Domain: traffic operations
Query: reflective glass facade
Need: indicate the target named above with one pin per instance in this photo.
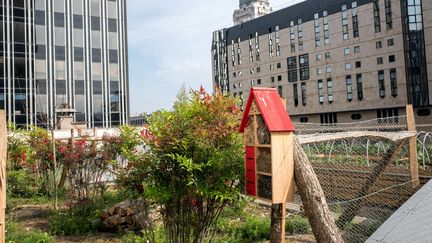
(64, 51)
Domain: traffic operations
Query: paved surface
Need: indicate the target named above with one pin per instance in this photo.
(411, 223)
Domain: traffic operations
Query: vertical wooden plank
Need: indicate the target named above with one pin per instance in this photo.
(414, 173)
(282, 166)
(3, 154)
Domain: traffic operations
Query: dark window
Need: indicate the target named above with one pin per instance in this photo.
(79, 87)
(320, 91)
(304, 119)
(348, 80)
(113, 57)
(393, 82)
(381, 84)
(59, 19)
(280, 91)
(60, 53)
(61, 87)
(392, 58)
(114, 87)
(390, 42)
(292, 75)
(280, 78)
(356, 116)
(377, 20)
(95, 23)
(97, 87)
(112, 25)
(328, 118)
(40, 52)
(278, 65)
(359, 81)
(39, 17)
(303, 92)
(304, 73)
(96, 55)
(378, 44)
(295, 94)
(41, 86)
(19, 32)
(358, 64)
(292, 63)
(77, 21)
(423, 112)
(78, 54)
(18, 3)
(258, 81)
(380, 60)
(330, 90)
(388, 14)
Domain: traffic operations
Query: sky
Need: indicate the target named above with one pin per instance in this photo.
(169, 45)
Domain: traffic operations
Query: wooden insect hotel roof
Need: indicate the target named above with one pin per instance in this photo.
(273, 111)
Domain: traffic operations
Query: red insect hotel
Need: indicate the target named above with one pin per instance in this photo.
(268, 138)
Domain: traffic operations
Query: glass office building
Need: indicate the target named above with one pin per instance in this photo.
(56, 52)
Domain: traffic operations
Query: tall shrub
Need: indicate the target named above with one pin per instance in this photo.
(195, 158)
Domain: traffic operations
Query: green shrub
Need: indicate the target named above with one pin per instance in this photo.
(15, 233)
(297, 225)
(256, 228)
(22, 184)
(66, 223)
(133, 237)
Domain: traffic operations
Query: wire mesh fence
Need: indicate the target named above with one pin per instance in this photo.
(364, 170)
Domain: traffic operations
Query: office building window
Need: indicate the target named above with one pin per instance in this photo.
(279, 78)
(355, 20)
(300, 34)
(320, 91)
(258, 81)
(318, 56)
(359, 81)
(346, 51)
(328, 69)
(292, 69)
(77, 21)
(60, 53)
(390, 42)
(257, 47)
(328, 118)
(393, 82)
(278, 46)
(379, 60)
(112, 25)
(303, 92)
(304, 73)
(347, 66)
(327, 55)
(376, 13)
(356, 49)
(378, 45)
(319, 71)
(96, 55)
(344, 22)
(326, 28)
(392, 58)
(349, 87)
(330, 90)
(295, 94)
(95, 23)
(304, 60)
(39, 17)
(60, 87)
(381, 84)
(278, 65)
(317, 30)
(78, 54)
(280, 91)
(59, 19)
(388, 14)
(358, 64)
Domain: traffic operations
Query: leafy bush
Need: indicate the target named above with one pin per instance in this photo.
(133, 237)
(22, 184)
(297, 225)
(15, 233)
(256, 228)
(67, 223)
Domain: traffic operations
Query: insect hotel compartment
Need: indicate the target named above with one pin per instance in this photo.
(263, 133)
(265, 186)
(263, 160)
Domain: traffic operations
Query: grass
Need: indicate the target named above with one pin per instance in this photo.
(15, 233)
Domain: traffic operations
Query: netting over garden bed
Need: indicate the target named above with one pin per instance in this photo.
(364, 170)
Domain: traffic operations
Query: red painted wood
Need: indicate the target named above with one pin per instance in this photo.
(269, 103)
(250, 171)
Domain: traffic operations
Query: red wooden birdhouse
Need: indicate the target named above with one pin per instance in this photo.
(268, 138)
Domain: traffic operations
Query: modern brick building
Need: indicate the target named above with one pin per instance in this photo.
(334, 60)
(61, 52)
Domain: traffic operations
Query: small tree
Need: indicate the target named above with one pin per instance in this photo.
(195, 156)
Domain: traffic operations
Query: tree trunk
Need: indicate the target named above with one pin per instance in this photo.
(278, 223)
(314, 202)
(351, 211)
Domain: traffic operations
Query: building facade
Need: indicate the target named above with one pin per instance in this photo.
(335, 60)
(251, 9)
(56, 52)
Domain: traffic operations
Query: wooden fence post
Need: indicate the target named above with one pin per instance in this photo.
(3, 154)
(414, 173)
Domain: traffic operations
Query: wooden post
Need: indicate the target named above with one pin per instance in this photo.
(314, 201)
(278, 223)
(3, 154)
(414, 173)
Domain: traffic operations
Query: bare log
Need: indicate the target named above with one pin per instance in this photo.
(314, 202)
(351, 211)
(278, 223)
